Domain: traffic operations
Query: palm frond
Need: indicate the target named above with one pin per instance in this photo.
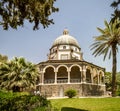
(100, 30)
(105, 52)
(110, 54)
(106, 24)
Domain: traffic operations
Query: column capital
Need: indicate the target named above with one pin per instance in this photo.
(55, 71)
(68, 70)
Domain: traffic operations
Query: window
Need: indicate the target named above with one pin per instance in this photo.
(64, 56)
(64, 47)
(75, 49)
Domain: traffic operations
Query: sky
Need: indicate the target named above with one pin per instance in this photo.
(80, 17)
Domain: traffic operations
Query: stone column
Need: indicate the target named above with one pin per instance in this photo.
(98, 79)
(83, 75)
(91, 78)
(68, 76)
(55, 77)
(42, 77)
(103, 79)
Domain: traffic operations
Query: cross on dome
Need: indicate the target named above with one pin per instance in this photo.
(65, 32)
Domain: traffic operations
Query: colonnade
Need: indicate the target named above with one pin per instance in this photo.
(73, 74)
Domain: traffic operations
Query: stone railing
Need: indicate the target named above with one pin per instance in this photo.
(52, 81)
(62, 81)
(75, 81)
(49, 81)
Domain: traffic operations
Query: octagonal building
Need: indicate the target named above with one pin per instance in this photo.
(66, 69)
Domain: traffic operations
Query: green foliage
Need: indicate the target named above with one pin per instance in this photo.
(14, 12)
(118, 84)
(22, 102)
(70, 93)
(115, 4)
(18, 75)
(3, 58)
(108, 81)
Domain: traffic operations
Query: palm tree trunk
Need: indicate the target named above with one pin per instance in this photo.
(114, 67)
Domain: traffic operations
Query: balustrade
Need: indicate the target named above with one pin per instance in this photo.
(51, 81)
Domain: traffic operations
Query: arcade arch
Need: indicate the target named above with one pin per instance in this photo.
(62, 75)
(49, 75)
(75, 74)
(88, 74)
(101, 77)
(95, 76)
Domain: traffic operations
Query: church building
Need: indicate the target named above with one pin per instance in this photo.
(66, 69)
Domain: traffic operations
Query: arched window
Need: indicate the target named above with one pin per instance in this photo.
(76, 49)
(64, 47)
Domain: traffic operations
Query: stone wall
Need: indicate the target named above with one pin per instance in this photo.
(82, 89)
(93, 90)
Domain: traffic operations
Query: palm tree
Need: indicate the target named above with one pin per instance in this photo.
(18, 74)
(107, 44)
(115, 4)
(3, 58)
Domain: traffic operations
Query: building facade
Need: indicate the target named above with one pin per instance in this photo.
(66, 69)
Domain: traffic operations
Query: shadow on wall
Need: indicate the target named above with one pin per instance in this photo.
(71, 109)
(92, 90)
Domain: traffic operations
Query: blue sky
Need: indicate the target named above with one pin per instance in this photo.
(80, 17)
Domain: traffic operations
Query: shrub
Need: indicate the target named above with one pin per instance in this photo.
(22, 102)
(70, 93)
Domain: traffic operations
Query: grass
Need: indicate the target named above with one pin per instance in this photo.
(87, 104)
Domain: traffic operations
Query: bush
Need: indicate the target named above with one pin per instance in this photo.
(117, 93)
(70, 93)
(22, 102)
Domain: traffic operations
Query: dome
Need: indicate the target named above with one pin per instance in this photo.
(65, 39)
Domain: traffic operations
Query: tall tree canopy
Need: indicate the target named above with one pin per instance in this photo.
(107, 44)
(115, 4)
(13, 13)
(18, 74)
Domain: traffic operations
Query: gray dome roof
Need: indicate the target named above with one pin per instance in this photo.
(65, 39)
